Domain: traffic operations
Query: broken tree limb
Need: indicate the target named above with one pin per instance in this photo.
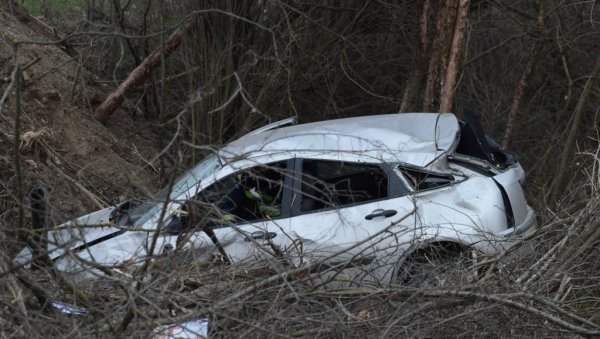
(142, 71)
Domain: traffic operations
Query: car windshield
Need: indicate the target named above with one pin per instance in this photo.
(141, 214)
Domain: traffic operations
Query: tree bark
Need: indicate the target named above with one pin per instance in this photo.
(519, 92)
(439, 47)
(413, 85)
(454, 61)
(142, 71)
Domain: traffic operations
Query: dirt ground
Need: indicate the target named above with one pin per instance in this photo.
(82, 162)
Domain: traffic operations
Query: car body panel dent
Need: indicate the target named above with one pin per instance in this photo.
(511, 182)
(395, 135)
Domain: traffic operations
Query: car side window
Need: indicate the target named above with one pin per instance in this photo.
(423, 180)
(248, 195)
(329, 184)
(254, 194)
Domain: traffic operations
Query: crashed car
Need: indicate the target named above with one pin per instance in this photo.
(363, 192)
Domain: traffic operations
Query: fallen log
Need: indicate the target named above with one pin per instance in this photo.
(139, 75)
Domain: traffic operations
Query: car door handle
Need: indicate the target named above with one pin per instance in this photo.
(259, 235)
(381, 213)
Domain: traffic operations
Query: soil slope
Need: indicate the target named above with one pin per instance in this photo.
(82, 162)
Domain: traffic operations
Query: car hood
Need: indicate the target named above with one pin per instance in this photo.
(92, 237)
(85, 229)
(412, 138)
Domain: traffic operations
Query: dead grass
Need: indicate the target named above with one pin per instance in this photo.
(549, 292)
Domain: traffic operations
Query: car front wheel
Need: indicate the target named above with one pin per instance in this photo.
(438, 265)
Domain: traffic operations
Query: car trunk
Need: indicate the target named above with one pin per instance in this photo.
(501, 164)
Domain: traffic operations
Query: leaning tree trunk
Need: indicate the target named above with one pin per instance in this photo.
(520, 90)
(142, 71)
(454, 61)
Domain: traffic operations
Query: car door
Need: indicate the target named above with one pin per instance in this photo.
(242, 214)
(353, 215)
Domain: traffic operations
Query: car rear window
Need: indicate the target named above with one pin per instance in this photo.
(423, 180)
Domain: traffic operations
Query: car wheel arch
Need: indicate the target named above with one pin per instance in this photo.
(450, 247)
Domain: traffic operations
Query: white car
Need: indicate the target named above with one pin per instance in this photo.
(364, 192)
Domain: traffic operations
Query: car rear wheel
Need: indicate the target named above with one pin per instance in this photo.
(438, 265)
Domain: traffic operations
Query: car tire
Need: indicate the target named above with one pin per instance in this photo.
(438, 265)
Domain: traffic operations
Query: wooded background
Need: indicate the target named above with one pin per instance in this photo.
(522, 66)
(169, 79)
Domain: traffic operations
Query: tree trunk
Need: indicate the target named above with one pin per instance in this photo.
(454, 61)
(142, 71)
(439, 47)
(47, 9)
(413, 86)
(520, 91)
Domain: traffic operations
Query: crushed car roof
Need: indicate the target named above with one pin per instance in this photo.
(412, 138)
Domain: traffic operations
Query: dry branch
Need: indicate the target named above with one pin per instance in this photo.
(142, 71)
(522, 84)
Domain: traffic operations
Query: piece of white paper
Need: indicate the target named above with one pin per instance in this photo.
(195, 329)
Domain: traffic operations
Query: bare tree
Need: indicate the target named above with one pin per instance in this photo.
(444, 52)
(522, 84)
(454, 60)
(440, 46)
(414, 83)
